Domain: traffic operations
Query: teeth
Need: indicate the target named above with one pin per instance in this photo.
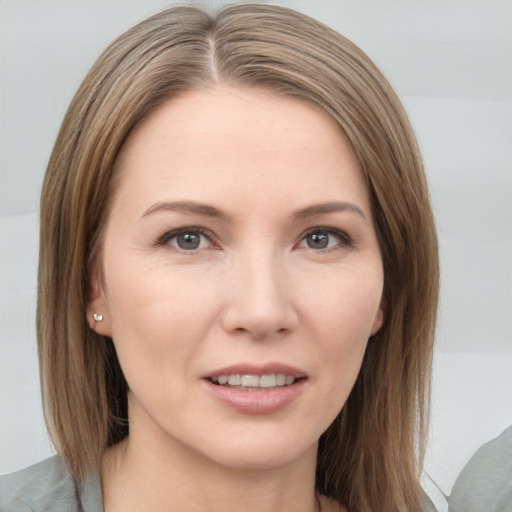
(267, 381)
(252, 381)
(235, 380)
(280, 379)
(249, 382)
(289, 380)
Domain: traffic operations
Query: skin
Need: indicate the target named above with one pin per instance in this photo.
(256, 290)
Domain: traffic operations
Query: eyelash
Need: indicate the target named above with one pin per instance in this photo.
(344, 239)
(163, 240)
(170, 235)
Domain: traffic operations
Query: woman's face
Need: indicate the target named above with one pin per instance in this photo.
(240, 247)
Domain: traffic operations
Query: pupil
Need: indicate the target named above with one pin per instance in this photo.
(318, 240)
(188, 241)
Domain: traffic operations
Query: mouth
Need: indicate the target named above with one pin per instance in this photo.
(249, 389)
(254, 382)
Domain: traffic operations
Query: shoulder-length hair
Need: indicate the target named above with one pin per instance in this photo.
(369, 458)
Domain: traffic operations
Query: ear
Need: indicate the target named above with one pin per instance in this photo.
(378, 321)
(98, 316)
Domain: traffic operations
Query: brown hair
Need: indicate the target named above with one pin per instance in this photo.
(369, 458)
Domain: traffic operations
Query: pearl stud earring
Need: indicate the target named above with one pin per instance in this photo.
(97, 318)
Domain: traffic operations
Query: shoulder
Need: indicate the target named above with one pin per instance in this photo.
(44, 487)
(485, 483)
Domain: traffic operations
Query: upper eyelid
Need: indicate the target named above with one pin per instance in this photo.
(345, 240)
(330, 230)
(172, 233)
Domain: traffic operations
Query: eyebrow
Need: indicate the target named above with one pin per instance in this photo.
(187, 207)
(331, 207)
(210, 211)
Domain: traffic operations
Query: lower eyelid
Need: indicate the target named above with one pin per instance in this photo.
(170, 235)
(163, 240)
(344, 238)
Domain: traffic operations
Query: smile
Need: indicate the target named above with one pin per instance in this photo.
(254, 382)
(256, 389)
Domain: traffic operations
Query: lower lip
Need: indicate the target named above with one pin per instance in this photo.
(266, 401)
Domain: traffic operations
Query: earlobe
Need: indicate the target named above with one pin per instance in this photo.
(98, 316)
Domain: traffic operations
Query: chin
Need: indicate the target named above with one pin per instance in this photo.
(263, 453)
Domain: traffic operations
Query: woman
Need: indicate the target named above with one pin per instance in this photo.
(238, 277)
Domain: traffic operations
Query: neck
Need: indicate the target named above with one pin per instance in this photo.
(142, 476)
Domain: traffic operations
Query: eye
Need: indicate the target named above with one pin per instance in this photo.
(187, 239)
(321, 239)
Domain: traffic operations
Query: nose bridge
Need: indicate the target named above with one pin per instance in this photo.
(259, 298)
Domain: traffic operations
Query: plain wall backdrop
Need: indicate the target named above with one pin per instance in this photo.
(451, 63)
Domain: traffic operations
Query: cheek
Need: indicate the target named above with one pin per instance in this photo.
(343, 318)
(148, 293)
(157, 318)
(347, 304)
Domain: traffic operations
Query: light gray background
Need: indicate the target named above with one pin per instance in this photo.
(450, 61)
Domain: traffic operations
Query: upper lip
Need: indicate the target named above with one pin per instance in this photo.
(252, 369)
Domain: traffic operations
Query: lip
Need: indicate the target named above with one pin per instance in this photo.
(262, 401)
(251, 369)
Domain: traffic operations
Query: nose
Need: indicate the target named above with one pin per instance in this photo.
(259, 299)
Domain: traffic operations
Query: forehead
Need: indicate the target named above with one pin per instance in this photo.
(203, 142)
(251, 117)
